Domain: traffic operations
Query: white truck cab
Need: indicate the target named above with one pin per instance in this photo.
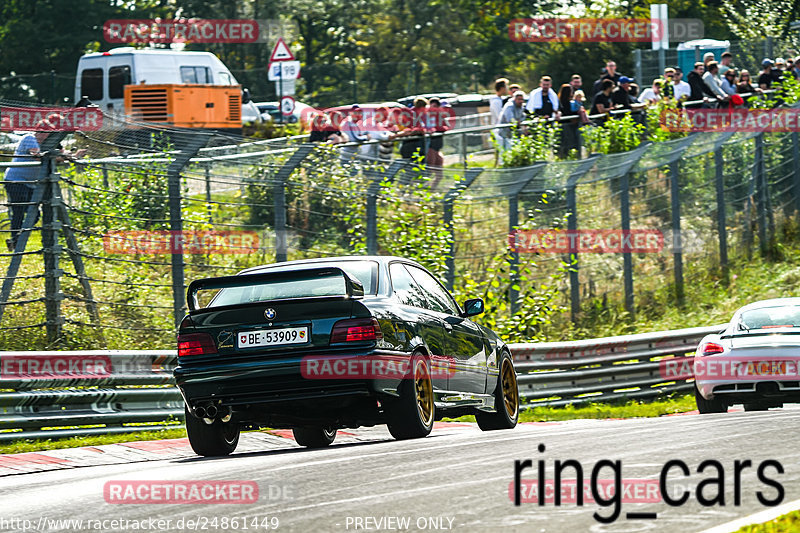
(102, 76)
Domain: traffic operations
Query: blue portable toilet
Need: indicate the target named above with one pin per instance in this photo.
(692, 51)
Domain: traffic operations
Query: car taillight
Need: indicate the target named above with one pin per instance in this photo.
(710, 348)
(196, 344)
(356, 330)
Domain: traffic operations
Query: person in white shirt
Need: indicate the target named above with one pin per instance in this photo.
(652, 94)
(512, 114)
(681, 89)
(496, 102)
(543, 101)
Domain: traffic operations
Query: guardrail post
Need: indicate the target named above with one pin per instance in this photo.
(51, 250)
(722, 231)
(627, 260)
(279, 199)
(572, 229)
(677, 241)
(761, 206)
(448, 206)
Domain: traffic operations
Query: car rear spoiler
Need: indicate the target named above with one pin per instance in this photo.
(353, 287)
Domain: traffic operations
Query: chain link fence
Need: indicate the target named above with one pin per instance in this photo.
(112, 241)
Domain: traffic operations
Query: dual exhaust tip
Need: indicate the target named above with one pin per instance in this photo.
(212, 411)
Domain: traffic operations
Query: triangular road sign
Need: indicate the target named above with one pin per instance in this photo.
(281, 52)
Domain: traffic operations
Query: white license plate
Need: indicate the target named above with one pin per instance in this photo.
(272, 337)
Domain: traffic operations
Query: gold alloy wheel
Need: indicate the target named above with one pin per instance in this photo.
(510, 391)
(424, 390)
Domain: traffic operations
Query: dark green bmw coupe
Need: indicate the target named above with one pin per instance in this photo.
(323, 344)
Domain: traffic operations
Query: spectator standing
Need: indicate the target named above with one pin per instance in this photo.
(778, 70)
(514, 87)
(621, 96)
(710, 80)
(415, 146)
(610, 73)
(667, 88)
(20, 182)
(577, 106)
(681, 89)
(497, 101)
(437, 122)
(576, 82)
(353, 132)
(697, 88)
(708, 57)
(513, 113)
(543, 101)
(729, 82)
(765, 79)
(602, 100)
(745, 83)
(565, 98)
(653, 94)
(795, 68)
(725, 61)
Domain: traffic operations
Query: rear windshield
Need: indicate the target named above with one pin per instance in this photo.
(786, 316)
(302, 286)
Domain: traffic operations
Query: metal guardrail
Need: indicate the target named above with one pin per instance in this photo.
(76, 393)
(557, 374)
(58, 394)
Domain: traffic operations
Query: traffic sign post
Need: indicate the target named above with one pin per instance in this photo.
(281, 54)
(287, 106)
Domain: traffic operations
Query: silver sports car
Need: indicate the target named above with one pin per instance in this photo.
(755, 361)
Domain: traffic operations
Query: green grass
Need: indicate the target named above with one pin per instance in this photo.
(631, 409)
(27, 445)
(787, 523)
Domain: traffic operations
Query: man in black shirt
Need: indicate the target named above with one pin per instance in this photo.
(765, 79)
(609, 73)
(602, 100)
(621, 96)
(698, 88)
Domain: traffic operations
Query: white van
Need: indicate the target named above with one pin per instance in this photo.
(102, 76)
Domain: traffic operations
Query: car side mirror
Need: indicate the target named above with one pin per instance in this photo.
(473, 307)
(245, 96)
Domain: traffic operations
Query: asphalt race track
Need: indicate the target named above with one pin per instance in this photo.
(457, 479)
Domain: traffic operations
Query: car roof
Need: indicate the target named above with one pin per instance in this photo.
(774, 302)
(385, 259)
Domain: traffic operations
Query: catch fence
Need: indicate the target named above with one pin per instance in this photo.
(122, 232)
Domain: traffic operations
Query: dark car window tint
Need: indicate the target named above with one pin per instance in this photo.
(118, 78)
(302, 286)
(405, 288)
(439, 299)
(92, 83)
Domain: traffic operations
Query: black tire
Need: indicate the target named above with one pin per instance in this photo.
(716, 405)
(314, 437)
(755, 407)
(506, 399)
(211, 440)
(411, 415)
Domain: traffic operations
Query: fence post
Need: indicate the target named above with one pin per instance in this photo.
(637, 64)
(51, 251)
(372, 202)
(722, 231)
(208, 192)
(279, 198)
(448, 206)
(677, 241)
(761, 207)
(627, 260)
(188, 146)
